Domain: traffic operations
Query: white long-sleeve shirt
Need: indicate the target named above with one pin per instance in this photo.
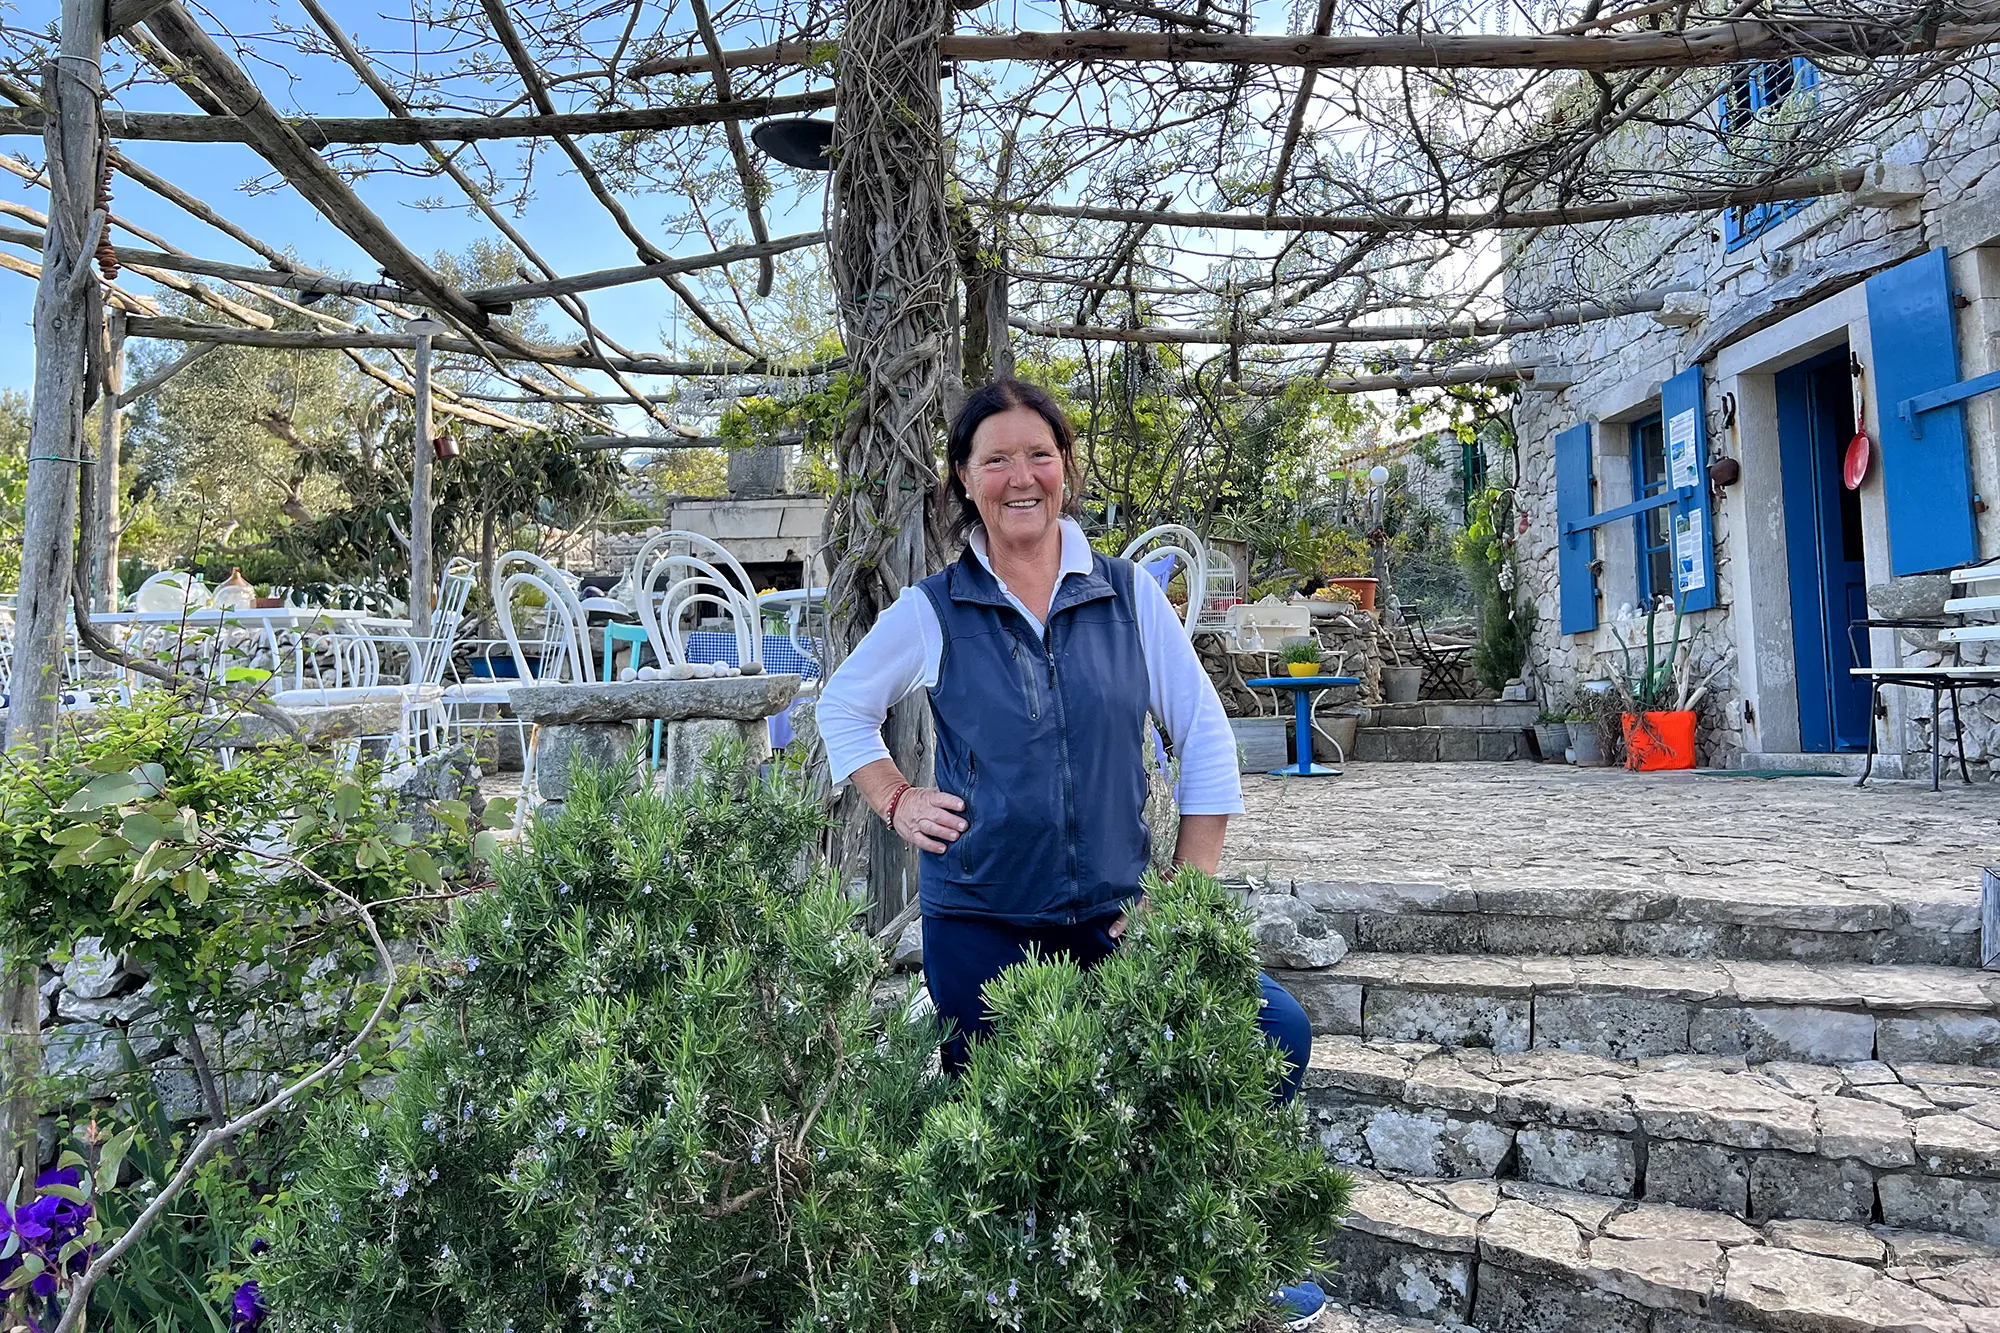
(901, 655)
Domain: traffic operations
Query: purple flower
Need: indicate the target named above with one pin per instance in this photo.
(42, 1226)
(247, 1308)
(259, 1245)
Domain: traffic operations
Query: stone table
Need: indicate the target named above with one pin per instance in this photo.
(600, 722)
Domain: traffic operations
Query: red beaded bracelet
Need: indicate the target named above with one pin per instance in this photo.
(895, 799)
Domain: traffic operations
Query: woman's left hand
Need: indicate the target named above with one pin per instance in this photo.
(1126, 918)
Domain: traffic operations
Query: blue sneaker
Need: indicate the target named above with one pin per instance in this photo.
(1299, 1305)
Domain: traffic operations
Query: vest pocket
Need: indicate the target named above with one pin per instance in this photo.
(954, 853)
(1031, 689)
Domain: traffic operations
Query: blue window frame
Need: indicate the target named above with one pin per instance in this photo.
(1754, 91)
(1654, 528)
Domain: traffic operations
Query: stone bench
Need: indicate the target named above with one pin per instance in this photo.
(601, 722)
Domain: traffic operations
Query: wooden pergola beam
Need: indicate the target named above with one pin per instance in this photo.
(175, 330)
(279, 144)
(1500, 327)
(1501, 373)
(1530, 219)
(1692, 48)
(332, 131)
(631, 273)
(486, 297)
(127, 14)
(133, 258)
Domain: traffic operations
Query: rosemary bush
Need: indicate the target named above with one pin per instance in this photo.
(656, 1091)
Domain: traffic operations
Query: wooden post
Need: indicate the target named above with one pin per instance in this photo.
(420, 482)
(891, 251)
(65, 323)
(102, 523)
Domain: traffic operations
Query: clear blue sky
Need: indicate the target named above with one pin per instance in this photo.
(563, 223)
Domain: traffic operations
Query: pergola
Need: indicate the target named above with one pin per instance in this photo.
(986, 184)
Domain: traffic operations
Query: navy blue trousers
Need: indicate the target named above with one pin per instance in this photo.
(962, 954)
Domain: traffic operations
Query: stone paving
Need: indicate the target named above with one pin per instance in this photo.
(1782, 840)
(1514, 1255)
(1626, 1053)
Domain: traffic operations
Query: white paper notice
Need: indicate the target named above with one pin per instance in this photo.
(1681, 453)
(1691, 571)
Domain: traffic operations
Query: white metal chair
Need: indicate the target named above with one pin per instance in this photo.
(691, 582)
(716, 573)
(480, 704)
(1172, 545)
(562, 653)
(354, 658)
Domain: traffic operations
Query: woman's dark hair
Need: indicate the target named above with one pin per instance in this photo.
(955, 508)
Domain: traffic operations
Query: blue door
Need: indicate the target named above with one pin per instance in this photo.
(1823, 542)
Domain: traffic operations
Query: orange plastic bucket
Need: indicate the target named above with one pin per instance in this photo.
(1655, 741)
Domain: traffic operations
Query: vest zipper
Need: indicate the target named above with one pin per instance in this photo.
(1069, 786)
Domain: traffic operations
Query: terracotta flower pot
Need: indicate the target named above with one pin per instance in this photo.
(1362, 588)
(1657, 741)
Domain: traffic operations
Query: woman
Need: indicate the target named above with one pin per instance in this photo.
(1042, 659)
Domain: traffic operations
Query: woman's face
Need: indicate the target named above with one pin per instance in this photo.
(1015, 477)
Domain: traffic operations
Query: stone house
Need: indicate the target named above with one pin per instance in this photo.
(1698, 451)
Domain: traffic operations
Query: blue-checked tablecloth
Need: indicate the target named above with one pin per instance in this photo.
(779, 656)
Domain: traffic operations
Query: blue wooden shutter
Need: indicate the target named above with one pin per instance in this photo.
(1575, 550)
(1927, 479)
(1684, 421)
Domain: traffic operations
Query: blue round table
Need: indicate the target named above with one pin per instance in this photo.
(1302, 688)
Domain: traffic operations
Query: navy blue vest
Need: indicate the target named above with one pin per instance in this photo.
(1041, 738)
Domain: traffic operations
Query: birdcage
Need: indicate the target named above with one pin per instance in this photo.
(1221, 591)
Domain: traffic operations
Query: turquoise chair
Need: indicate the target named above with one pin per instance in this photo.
(615, 633)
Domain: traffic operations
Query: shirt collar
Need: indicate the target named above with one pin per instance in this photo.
(1076, 553)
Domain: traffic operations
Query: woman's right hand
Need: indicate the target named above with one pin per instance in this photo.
(928, 819)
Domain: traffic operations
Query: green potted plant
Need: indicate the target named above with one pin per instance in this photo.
(1301, 657)
(1552, 734)
(1662, 695)
(1595, 713)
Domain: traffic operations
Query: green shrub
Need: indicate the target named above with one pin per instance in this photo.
(657, 1091)
(215, 881)
(654, 1095)
(1112, 1159)
(1505, 624)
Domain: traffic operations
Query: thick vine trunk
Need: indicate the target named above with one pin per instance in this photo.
(65, 323)
(892, 264)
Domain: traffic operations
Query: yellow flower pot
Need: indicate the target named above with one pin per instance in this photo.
(1302, 668)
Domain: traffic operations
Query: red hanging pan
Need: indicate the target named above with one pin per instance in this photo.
(1854, 466)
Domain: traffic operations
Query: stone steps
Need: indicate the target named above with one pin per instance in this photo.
(1348, 1318)
(1916, 1146)
(1452, 713)
(1516, 1257)
(1629, 1008)
(1439, 745)
(1720, 918)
